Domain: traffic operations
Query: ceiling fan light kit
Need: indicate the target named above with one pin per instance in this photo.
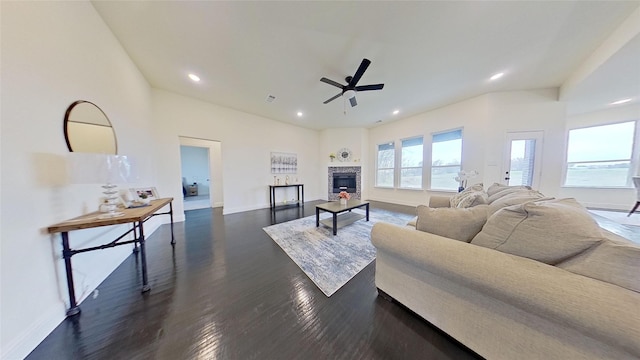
(349, 91)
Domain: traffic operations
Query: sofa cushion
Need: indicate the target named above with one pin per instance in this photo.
(454, 223)
(505, 192)
(471, 196)
(496, 188)
(516, 198)
(615, 260)
(547, 231)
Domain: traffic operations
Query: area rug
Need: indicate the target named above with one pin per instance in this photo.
(330, 261)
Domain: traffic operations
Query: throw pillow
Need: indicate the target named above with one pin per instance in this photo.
(455, 200)
(472, 199)
(547, 231)
(496, 187)
(517, 198)
(507, 191)
(458, 224)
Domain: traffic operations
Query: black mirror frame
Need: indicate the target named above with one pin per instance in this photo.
(66, 121)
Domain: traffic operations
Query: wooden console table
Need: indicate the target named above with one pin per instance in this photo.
(272, 193)
(137, 216)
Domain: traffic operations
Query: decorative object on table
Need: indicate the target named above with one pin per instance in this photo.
(463, 177)
(144, 198)
(284, 163)
(344, 197)
(86, 168)
(150, 192)
(332, 156)
(286, 180)
(330, 261)
(344, 154)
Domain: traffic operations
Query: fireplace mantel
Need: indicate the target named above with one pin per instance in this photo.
(344, 164)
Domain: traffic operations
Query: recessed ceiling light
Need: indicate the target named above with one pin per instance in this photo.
(496, 76)
(299, 114)
(620, 101)
(194, 77)
(396, 112)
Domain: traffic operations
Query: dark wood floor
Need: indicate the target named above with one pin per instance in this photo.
(227, 291)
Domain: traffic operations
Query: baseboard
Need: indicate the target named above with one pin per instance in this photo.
(605, 206)
(24, 343)
(227, 210)
(392, 201)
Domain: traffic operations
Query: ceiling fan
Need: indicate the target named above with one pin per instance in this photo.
(349, 90)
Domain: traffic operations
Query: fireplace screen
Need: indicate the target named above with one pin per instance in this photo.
(344, 182)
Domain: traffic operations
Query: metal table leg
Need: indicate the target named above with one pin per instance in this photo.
(67, 253)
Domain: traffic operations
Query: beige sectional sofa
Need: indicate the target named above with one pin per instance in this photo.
(536, 279)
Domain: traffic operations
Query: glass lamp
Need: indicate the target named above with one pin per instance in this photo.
(86, 168)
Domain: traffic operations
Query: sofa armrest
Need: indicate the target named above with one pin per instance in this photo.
(439, 201)
(592, 307)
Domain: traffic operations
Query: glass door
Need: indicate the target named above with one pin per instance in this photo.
(522, 160)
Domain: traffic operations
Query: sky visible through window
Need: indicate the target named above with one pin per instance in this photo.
(601, 143)
(600, 156)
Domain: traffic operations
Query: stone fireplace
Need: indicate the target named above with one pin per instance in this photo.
(344, 178)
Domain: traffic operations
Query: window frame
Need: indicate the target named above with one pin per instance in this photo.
(378, 168)
(431, 166)
(401, 168)
(633, 160)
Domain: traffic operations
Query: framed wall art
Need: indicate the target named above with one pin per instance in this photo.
(150, 191)
(284, 163)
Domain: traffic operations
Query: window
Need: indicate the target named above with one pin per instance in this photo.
(411, 170)
(600, 156)
(386, 163)
(446, 157)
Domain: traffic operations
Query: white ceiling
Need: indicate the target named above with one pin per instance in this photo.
(428, 54)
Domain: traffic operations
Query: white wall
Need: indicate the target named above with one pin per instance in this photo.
(247, 141)
(622, 199)
(485, 121)
(54, 53)
(533, 110)
(471, 115)
(354, 139)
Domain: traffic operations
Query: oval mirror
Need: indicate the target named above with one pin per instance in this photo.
(87, 129)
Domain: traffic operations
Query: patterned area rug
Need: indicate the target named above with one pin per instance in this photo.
(331, 261)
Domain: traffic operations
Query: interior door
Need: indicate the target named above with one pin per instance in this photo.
(522, 161)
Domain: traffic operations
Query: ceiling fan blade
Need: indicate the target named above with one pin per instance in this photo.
(331, 82)
(333, 98)
(353, 101)
(361, 69)
(369, 87)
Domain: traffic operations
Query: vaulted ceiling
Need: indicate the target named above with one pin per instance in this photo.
(428, 54)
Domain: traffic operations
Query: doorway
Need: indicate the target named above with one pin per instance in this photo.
(201, 173)
(523, 157)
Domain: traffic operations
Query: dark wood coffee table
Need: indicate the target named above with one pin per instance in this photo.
(341, 220)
